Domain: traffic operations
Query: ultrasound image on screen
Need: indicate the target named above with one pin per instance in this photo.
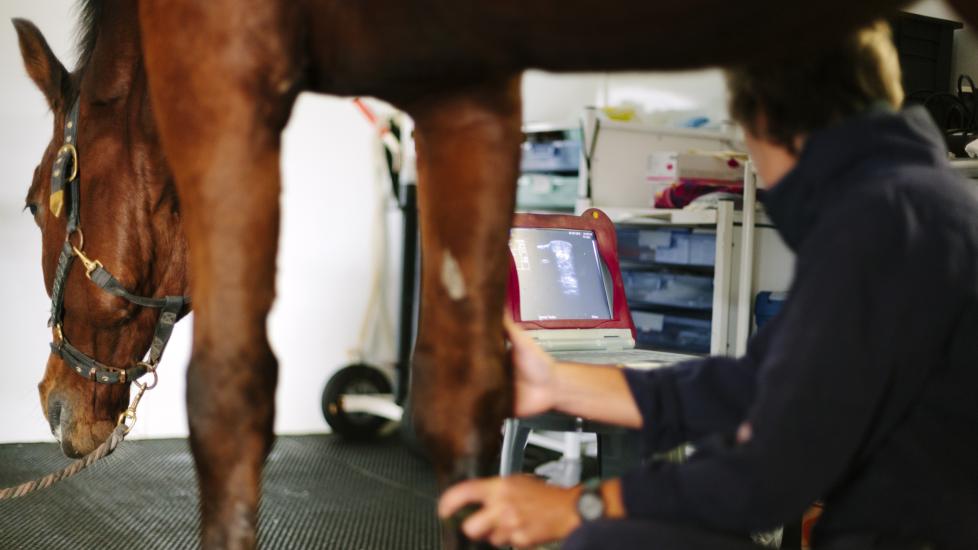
(560, 276)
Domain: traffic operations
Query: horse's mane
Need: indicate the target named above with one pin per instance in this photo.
(89, 15)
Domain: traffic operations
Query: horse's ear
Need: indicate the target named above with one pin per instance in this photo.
(42, 65)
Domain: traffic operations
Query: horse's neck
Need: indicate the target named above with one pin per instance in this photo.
(115, 71)
(165, 219)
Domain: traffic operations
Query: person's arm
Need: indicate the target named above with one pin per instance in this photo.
(702, 397)
(671, 405)
(542, 384)
(595, 392)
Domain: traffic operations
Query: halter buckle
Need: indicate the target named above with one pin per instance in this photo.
(71, 150)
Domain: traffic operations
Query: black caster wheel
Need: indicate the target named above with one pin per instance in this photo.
(356, 379)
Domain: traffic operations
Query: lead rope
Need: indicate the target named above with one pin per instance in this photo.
(127, 420)
(116, 437)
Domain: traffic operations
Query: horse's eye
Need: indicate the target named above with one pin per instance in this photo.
(33, 208)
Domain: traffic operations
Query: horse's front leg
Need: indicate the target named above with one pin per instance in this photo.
(220, 89)
(468, 154)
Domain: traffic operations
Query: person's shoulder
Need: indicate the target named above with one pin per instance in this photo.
(887, 211)
(906, 214)
(936, 198)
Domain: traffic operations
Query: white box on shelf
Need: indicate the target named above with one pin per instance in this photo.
(625, 161)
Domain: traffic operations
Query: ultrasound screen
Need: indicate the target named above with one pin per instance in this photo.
(560, 274)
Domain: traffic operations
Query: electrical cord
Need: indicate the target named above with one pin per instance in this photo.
(956, 114)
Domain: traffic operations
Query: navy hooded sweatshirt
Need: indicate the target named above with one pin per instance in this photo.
(863, 391)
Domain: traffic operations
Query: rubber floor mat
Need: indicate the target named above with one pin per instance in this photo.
(319, 492)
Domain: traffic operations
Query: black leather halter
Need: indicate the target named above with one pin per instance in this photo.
(65, 181)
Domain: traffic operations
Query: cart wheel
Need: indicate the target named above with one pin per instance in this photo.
(354, 379)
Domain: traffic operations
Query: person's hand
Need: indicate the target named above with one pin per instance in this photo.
(519, 510)
(533, 373)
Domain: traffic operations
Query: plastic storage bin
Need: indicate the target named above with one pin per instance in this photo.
(685, 291)
(667, 246)
(546, 192)
(551, 156)
(671, 332)
(767, 305)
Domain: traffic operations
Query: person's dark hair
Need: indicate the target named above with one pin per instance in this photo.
(780, 101)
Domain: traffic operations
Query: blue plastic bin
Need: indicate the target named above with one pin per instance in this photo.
(667, 246)
(766, 305)
(671, 332)
(685, 291)
(551, 156)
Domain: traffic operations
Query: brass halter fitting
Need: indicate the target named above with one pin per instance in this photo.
(57, 199)
(71, 150)
(90, 264)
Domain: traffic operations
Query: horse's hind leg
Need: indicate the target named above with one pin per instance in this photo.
(468, 154)
(220, 94)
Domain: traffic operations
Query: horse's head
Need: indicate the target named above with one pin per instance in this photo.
(103, 172)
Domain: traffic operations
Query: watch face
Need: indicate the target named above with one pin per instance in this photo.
(590, 506)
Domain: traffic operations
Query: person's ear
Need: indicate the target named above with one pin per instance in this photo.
(42, 65)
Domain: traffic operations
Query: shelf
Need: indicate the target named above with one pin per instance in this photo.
(661, 216)
(607, 124)
(685, 311)
(658, 216)
(672, 269)
(544, 127)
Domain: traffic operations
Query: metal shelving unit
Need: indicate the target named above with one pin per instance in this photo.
(612, 179)
(721, 221)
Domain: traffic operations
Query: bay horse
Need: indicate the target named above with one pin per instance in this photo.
(204, 89)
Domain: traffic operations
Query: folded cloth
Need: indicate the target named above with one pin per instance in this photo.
(678, 195)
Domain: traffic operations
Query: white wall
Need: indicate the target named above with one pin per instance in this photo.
(330, 223)
(559, 98)
(24, 132)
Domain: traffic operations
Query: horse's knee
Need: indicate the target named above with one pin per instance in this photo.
(230, 394)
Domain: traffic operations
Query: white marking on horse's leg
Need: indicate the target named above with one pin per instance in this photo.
(451, 277)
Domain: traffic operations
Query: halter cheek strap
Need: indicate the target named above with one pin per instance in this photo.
(64, 179)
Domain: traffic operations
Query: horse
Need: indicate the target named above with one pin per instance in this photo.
(126, 215)
(181, 107)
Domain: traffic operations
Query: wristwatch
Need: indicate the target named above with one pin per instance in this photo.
(590, 504)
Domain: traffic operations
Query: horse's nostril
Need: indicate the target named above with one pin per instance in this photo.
(54, 418)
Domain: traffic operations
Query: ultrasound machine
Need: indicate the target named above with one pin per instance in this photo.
(566, 291)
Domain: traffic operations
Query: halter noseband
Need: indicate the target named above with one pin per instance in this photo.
(64, 179)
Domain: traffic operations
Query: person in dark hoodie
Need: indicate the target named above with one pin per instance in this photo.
(862, 393)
